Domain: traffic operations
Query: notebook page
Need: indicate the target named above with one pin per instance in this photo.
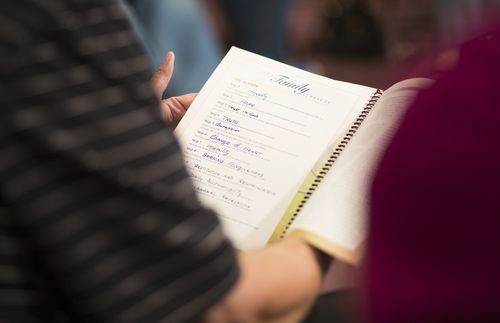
(335, 217)
(252, 134)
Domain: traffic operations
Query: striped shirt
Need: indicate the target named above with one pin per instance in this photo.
(98, 218)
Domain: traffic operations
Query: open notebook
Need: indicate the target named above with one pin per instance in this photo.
(276, 150)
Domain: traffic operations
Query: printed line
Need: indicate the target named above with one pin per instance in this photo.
(217, 177)
(244, 140)
(223, 190)
(215, 152)
(266, 122)
(240, 222)
(221, 200)
(241, 93)
(218, 143)
(256, 132)
(188, 153)
(263, 112)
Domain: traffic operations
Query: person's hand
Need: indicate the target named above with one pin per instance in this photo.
(174, 108)
(277, 285)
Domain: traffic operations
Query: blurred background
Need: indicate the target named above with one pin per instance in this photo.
(368, 42)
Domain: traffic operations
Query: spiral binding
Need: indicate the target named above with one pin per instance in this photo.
(333, 157)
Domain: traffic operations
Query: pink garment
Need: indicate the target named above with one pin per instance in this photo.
(434, 245)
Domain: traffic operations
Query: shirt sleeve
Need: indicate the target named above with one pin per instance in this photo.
(95, 179)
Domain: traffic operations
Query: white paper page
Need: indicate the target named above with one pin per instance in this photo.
(337, 210)
(252, 134)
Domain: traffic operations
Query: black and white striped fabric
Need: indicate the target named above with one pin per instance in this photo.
(98, 218)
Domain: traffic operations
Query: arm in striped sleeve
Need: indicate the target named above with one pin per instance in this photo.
(96, 180)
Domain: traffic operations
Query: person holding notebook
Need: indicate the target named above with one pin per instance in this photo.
(99, 221)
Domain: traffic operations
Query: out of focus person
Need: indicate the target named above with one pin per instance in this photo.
(433, 243)
(340, 28)
(182, 27)
(411, 28)
(458, 20)
(99, 221)
(407, 26)
(255, 25)
(307, 27)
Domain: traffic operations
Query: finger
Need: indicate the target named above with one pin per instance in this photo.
(185, 100)
(179, 104)
(173, 109)
(162, 76)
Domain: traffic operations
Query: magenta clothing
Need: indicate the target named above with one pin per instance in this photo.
(434, 245)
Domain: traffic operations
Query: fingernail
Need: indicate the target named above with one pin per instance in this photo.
(170, 57)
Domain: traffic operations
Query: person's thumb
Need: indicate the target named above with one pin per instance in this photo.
(162, 76)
